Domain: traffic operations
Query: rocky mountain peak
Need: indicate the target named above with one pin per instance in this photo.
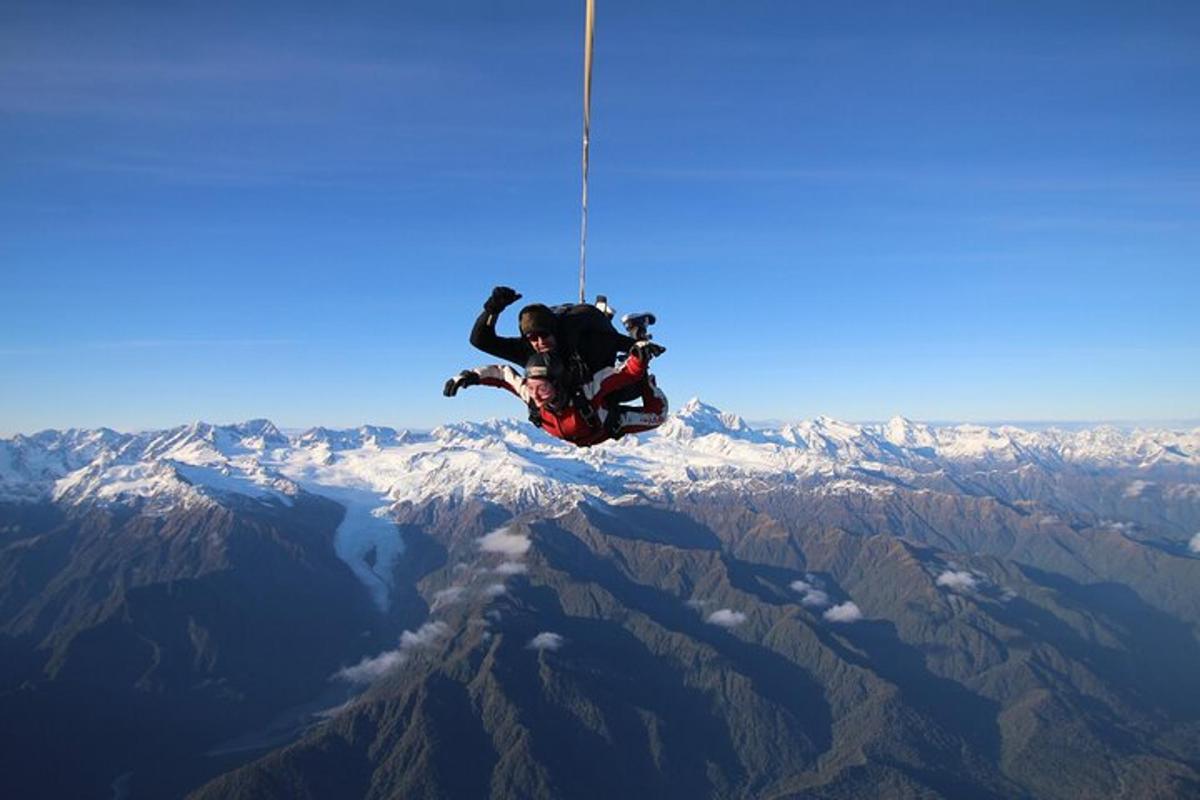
(697, 418)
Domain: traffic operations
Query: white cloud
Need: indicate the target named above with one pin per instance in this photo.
(494, 590)
(501, 541)
(958, 581)
(426, 635)
(845, 612)
(815, 598)
(511, 568)
(811, 594)
(447, 596)
(726, 618)
(1194, 544)
(546, 641)
(1136, 488)
(371, 668)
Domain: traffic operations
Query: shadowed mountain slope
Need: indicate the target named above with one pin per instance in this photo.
(820, 610)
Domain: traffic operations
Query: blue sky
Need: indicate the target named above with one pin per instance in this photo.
(951, 211)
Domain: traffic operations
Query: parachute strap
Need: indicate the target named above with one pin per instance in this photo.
(588, 36)
(584, 407)
(535, 414)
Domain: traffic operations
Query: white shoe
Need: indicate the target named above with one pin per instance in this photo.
(637, 323)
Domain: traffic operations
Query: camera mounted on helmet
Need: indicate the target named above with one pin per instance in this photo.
(544, 366)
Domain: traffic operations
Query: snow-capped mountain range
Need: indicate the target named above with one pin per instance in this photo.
(373, 470)
(967, 607)
(514, 464)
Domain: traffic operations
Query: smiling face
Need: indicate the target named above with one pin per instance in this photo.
(541, 390)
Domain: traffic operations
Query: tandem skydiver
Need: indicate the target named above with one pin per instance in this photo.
(570, 354)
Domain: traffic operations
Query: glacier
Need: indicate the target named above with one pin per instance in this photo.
(374, 471)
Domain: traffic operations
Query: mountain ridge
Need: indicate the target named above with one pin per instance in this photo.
(371, 470)
(816, 610)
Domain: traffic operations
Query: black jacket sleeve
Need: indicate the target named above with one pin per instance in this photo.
(509, 348)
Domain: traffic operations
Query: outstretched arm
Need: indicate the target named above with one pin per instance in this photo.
(500, 376)
(483, 333)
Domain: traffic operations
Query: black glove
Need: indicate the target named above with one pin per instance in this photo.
(502, 297)
(464, 378)
(646, 350)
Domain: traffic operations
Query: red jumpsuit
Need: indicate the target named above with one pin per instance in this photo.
(569, 424)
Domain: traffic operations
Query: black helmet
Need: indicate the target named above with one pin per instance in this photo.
(536, 318)
(544, 365)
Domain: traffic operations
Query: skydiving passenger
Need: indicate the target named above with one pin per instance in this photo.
(580, 335)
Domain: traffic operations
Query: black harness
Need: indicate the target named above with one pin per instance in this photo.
(578, 376)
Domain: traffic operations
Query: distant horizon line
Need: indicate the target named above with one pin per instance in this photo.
(1169, 422)
(767, 423)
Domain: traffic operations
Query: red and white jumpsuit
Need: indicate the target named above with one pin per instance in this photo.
(569, 424)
